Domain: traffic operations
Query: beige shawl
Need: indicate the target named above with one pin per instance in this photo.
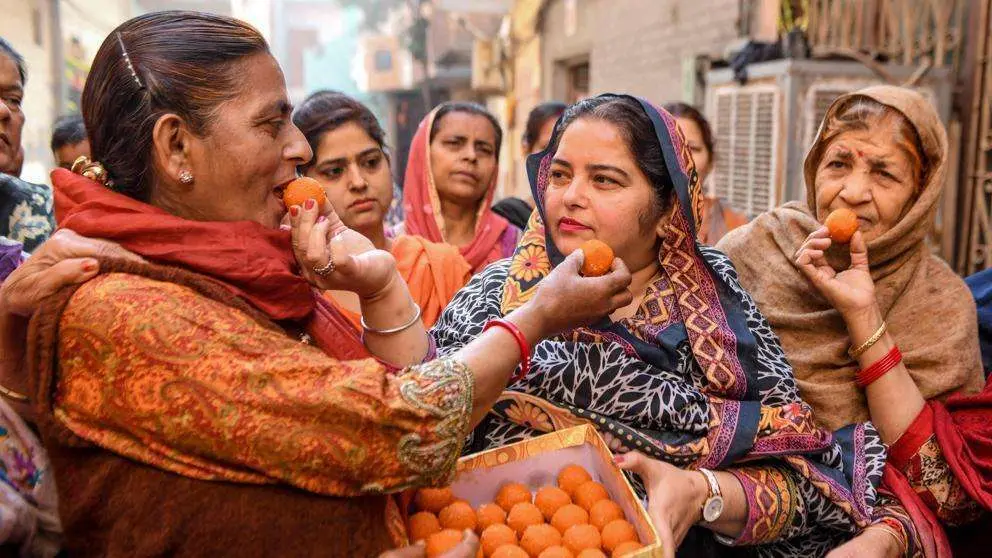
(928, 308)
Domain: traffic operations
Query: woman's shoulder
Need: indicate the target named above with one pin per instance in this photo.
(484, 290)
(407, 243)
(945, 282)
(115, 297)
(414, 251)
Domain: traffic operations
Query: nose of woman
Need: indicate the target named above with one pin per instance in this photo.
(297, 149)
(356, 181)
(857, 189)
(574, 194)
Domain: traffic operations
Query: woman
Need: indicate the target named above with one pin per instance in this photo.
(537, 133)
(689, 371)
(882, 153)
(208, 383)
(450, 182)
(717, 219)
(351, 163)
(25, 208)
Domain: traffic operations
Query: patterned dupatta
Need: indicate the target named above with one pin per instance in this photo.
(700, 331)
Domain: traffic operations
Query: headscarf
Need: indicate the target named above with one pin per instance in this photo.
(694, 378)
(252, 261)
(928, 308)
(422, 207)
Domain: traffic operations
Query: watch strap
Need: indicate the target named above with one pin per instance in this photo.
(711, 480)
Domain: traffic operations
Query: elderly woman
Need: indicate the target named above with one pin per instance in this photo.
(689, 372)
(450, 182)
(351, 163)
(876, 328)
(208, 382)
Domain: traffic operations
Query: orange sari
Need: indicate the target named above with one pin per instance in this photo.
(433, 272)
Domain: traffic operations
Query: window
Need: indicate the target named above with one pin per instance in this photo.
(578, 83)
(383, 60)
(745, 126)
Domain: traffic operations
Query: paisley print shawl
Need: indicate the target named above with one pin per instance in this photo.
(696, 377)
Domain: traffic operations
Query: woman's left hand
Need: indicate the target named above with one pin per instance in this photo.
(870, 543)
(851, 291)
(675, 497)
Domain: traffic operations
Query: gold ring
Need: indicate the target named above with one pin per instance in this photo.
(325, 270)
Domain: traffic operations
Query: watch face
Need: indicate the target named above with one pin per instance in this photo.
(713, 509)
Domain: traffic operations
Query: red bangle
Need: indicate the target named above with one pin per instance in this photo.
(521, 342)
(879, 368)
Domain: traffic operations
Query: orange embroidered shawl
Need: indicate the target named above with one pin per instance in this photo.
(190, 374)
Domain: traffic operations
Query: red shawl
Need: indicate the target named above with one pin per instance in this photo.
(963, 426)
(422, 209)
(964, 432)
(254, 262)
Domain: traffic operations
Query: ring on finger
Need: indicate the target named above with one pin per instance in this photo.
(325, 269)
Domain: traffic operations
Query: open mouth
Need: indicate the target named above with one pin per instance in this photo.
(280, 189)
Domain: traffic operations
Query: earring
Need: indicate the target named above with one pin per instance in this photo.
(185, 177)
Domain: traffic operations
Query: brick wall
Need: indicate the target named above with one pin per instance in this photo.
(637, 46)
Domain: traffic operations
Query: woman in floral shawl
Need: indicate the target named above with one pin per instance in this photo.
(689, 373)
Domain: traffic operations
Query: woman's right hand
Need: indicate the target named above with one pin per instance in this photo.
(358, 266)
(565, 299)
(851, 291)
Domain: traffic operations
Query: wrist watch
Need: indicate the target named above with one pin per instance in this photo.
(713, 506)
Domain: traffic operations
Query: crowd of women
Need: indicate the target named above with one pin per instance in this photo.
(209, 372)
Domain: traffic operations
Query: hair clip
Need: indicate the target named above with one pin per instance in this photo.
(127, 59)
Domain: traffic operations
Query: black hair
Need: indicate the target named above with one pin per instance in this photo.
(323, 111)
(68, 130)
(180, 62)
(638, 132)
(8, 49)
(470, 108)
(538, 116)
(682, 110)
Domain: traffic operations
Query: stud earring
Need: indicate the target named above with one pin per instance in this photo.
(185, 177)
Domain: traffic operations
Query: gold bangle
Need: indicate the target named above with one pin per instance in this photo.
(860, 349)
(13, 395)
